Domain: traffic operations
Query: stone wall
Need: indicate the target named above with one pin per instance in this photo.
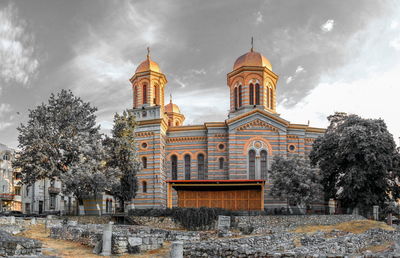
(285, 244)
(270, 224)
(125, 239)
(13, 246)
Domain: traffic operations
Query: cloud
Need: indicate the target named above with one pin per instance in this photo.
(259, 18)
(327, 26)
(18, 63)
(359, 96)
(395, 43)
(394, 25)
(299, 69)
(289, 79)
(5, 110)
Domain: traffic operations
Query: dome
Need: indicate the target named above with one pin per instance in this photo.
(252, 59)
(148, 65)
(171, 107)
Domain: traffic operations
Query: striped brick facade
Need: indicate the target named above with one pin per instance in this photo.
(224, 145)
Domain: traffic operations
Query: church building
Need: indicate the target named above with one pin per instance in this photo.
(216, 164)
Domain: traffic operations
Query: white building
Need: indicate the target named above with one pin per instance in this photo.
(45, 196)
(10, 191)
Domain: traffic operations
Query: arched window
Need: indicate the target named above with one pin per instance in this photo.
(177, 123)
(144, 186)
(240, 95)
(174, 167)
(235, 93)
(271, 100)
(144, 93)
(252, 164)
(221, 163)
(251, 94)
(263, 164)
(110, 206)
(135, 96)
(267, 97)
(155, 95)
(200, 167)
(257, 94)
(187, 167)
(144, 162)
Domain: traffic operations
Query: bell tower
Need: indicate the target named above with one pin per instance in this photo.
(148, 84)
(252, 84)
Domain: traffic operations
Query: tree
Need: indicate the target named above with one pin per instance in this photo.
(122, 156)
(295, 180)
(61, 140)
(358, 160)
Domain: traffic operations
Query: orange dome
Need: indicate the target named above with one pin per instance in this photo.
(171, 107)
(148, 65)
(252, 59)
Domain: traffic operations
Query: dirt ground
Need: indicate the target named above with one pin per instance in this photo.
(64, 248)
(356, 227)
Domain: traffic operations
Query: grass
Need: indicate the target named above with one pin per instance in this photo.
(356, 227)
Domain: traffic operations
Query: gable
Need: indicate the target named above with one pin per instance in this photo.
(256, 120)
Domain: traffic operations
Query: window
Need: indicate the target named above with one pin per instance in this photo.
(156, 95)
(221, 163)
(52, 183)
(144, 145)
(271, 101)
(135, 97)
(251, 94)
(200, 167)
(6, 157)
(257, 94)
(144, 162)
(187, 167)
(240, 95)
(221, 146)
(144, 186)
(52, 201)
(263, 164)
(252, 164)
(174, 167)
(144, 93)
(27, 191)
(177, 124)
(17, 191)
(236, 97)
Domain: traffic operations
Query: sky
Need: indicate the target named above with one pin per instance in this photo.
(329, 55)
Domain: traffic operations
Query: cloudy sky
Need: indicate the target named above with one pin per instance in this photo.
(330, 55)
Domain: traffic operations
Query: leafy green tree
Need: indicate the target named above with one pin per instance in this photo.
(358, 160)
(295, 180)
(61, 141)
(122, 156)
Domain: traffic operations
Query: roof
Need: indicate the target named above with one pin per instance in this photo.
(252, 59)
(238, 181)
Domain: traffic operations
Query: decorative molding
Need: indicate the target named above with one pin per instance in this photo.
(292, 136)
(309, 140)
(144, 134)
(186, 139)
(256, 123)
(221, 135)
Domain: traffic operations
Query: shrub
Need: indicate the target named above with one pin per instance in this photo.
(190, 218)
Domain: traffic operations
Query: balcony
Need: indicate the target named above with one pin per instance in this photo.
(54, 190)
(6, 197)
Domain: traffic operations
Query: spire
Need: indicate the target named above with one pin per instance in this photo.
(148, 52)
(170, 98)
(252, 44)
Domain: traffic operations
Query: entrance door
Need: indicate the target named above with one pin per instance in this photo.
(229, 199)
(40, 207)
